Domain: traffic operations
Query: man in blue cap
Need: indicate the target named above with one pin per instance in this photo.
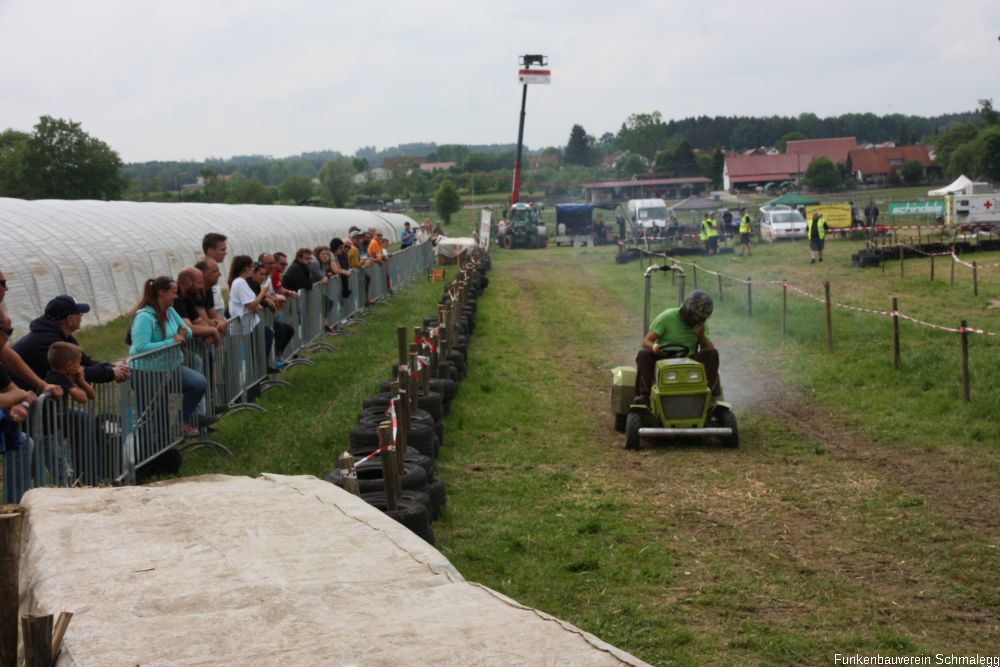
(63, 317)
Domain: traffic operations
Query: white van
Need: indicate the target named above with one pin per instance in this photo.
(647, 215)
(781, 223)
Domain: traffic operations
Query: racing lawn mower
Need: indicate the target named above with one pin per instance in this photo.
(680, 403)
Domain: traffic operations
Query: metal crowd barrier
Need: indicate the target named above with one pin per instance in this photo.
(129, 424)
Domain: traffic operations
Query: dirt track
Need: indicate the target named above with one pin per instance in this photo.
(806, 501)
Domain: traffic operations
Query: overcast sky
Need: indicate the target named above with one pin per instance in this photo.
(193, 79)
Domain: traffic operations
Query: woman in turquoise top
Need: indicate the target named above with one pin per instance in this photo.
(157, 326)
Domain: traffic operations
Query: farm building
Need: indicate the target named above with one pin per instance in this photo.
(663, 188)
(882, 165)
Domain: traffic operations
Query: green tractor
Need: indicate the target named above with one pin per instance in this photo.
(680, 402)
(522, 228)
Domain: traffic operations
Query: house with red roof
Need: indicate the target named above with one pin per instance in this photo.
(882, 165)
(835, 150)
(748, 172)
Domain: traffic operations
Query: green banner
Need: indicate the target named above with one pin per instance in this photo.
(917, 208)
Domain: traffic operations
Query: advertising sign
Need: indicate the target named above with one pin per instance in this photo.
(485, 222)
(534, 76)
(837, 215)
(935, 208)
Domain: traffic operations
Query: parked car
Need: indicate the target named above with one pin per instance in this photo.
(779, 223)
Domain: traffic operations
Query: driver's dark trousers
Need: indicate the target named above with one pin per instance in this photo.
(645, 365)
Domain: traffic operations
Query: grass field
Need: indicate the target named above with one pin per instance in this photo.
(860, 514)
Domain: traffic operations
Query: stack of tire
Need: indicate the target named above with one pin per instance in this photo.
(423, 495)
(866, 258)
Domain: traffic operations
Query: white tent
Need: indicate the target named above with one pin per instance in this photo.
(102, 252)
(960, 184)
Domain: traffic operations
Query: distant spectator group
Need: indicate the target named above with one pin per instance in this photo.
(190, 309)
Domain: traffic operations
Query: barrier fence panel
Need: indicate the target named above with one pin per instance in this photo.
(18, 454)
(244, 359)
(293, 317)
(152, 410)
(376, 285)
(130, 423)
(313, 312)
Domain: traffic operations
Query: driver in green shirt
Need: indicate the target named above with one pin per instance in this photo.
(678, 332)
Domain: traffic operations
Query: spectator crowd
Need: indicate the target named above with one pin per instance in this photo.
(175, 329)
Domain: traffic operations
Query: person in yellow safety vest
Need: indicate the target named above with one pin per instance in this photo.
(745, 230)
(710, 234)
(816, 232)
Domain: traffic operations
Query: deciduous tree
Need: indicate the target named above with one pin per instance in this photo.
(822, 173)
(58, 160)
(446, 200)
(335, 179)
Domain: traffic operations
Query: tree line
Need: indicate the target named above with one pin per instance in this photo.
(59, 160)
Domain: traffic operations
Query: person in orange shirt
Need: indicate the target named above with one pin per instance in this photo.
(378, 254)
(376, 248)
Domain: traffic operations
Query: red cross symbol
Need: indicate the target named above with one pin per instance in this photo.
(988, 204)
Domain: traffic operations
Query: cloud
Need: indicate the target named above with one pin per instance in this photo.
(192, 79)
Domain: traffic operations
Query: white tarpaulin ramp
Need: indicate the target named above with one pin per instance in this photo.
(958, 186)
(278, 570)
(102, 252)
(451, 247)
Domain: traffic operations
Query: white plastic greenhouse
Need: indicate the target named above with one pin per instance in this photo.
(102, 252)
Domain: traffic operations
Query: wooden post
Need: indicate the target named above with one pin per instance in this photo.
(919, 235)
(37, 632)
(965, 363)
(694, 274)
(348, 475)
(11, 523)
(784, 307)
(390, 469)
(975, 279)
(749, 297)
(403, 422)
(62, 623)
(829, 316)
(895, 332)
(932, 268)
(953, 265)
(901, 258)
(720, 288)
(401, 344)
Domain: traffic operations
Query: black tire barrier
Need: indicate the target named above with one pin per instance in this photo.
(363, 440)
(421, 497)
(377, 415)
(429, 449)
(446, 369)
(412, 515)
(431, 403)
(626, 256)
(439, 496)
(446, 387)
(866, 260)
(459, 361)
(412, 456)
(370, 479)
(366, 433)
